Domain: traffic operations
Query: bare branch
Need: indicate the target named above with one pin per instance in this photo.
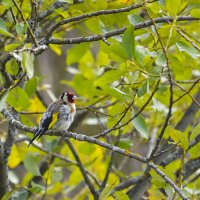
(189, 40)
(78, 40)
(168, 180)
(187, 92)
(49, 11)
(98, 13)
(76, 136)
(5, 150)
(109, 165)
(4, 183)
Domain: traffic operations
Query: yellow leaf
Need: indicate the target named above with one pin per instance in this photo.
(36, 106)
(155, 194)
(14, 158)
(56, 49)
(124, 1)
(179, 137)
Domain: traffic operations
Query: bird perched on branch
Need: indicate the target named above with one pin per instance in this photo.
(58, 116)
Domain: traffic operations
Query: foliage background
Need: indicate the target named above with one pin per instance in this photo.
(135, 67)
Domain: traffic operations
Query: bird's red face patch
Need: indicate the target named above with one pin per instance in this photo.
(71, 97)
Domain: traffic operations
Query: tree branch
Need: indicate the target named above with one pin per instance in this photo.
(4, 183)
(105, 180)
(76, 136)
(78, 40)
(93, 14)
(5, 150)
(168, 180)
(49, 11)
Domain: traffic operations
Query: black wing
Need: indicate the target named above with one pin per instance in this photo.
(44, 125)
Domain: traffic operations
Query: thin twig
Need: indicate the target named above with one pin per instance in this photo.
(135, 115)
(23, 18)
(100, 123)
(188, 39)
(166, 150)
(168, 180)
(82, 169)
(56, 155)
(171, 88)
(105, 180)
(13, 16)
(46, 180)
(187, 92)
(93, 14)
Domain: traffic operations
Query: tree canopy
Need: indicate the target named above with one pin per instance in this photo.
(134, 65)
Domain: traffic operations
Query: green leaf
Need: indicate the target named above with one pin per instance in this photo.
(19, 195)
(7, 196)
(195, 13)
(11, 47)
(183, 47)
(86, 149)
(12, 67)
(179, 137)
(155, 194)
(21, 28)
(30, 86)
(57, 176)
(141, 126)
(36, 188)
(142, 55)
(195, 132)
(3, 101)
(106, 192)
(7, 3)
(109, 76)
(120, 195)
(194, 152)
(173, 6)
(125, 143)
(18, 99)
(27, 63)
(79, 50)
(142, 90)
(116, 52)
(1, 79)
(161, 60)
(3, 30)
(134, 19)
(114, 92)
(157, 180)
(51, 145)
(32, 164)
(128, 41)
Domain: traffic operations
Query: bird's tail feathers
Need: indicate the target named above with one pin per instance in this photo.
(37, 134)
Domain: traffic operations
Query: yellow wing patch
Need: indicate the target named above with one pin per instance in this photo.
(54, 119)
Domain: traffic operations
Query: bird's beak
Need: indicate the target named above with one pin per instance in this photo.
(74, 97)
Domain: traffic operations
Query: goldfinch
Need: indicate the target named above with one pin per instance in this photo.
(58, 116)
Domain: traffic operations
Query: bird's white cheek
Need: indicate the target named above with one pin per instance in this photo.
(65, 98)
